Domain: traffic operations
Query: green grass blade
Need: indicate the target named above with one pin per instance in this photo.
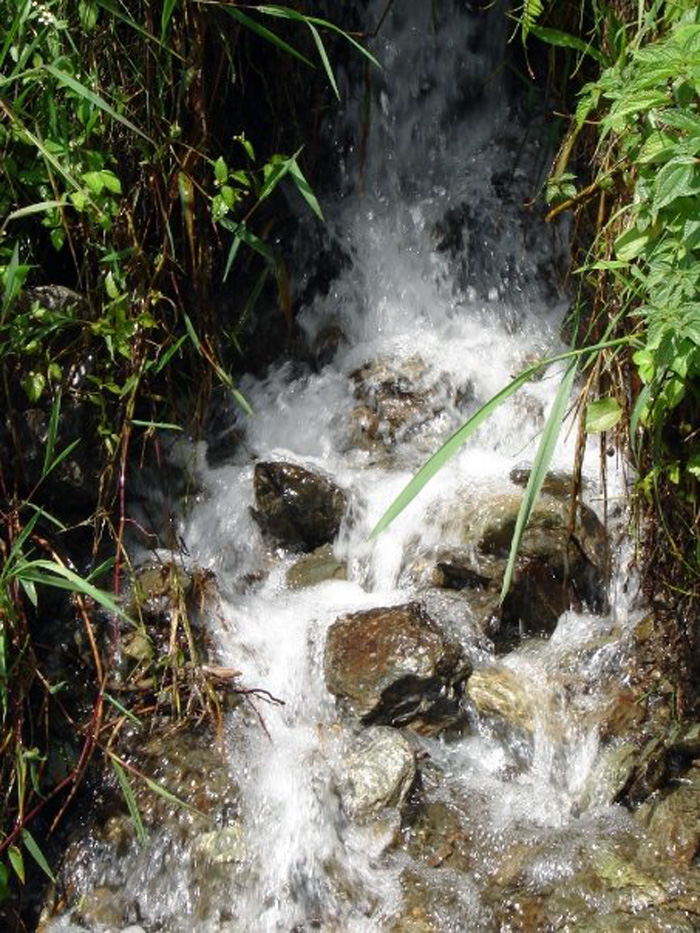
(15, 25)
(540, 465)
(168, 9)
(51, 437)
(122, 709)
(117, 13)
(324, 58)
(449, 449)
(130, 800)
(95, 100)
(37, 208)
(304, 189)
(266, 33)
(51, 573)
(285, 13)
(36, 853)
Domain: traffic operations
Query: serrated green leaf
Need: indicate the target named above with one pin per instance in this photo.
(602, 414)
(633, 242)
(675, 179)
(34, 384)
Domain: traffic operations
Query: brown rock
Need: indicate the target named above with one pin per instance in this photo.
(395, 666)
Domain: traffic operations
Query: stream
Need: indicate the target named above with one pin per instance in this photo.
(435, 763)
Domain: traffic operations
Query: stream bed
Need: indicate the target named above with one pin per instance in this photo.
(422, 759)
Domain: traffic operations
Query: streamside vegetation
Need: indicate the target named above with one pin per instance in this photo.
(142, 151)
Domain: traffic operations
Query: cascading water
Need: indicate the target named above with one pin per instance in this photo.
(446, 292)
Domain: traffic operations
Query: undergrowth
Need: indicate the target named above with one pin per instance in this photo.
(143, 148)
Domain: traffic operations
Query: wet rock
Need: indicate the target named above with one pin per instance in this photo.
(158, 588)
(557, 483)
(673, 819)
(326, 344)
(609, 776)
(394, 400)
(379, 772)
(316, 567)
(650, 771)
(621, 715)
(497, 691)
(437, 836)
(222, 846)
(554, 571)
(296, 507)
(685, 740)
(103, 908)
(394, 666)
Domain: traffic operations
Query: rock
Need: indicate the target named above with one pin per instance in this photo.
(394, 666)
(650, 771)
(554, 571)
(326, 344)
(437, 837)
(673, 820)
(497, 691)
(394, 400)
(222, 846)
(158, 588)
(379, 772)
(609, 776)
(102, 908)
(316, 567)
(296, 507)
(556, 483)
(621, 715)
(685, 740)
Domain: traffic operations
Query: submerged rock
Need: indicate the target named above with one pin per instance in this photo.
(394, 666)
(296, 507)
(316, 567)
(379, 772)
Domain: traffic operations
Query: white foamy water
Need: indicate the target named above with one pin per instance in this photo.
(463, 317)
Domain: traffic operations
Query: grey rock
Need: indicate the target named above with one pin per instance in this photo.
(315, 568)
(379, 771)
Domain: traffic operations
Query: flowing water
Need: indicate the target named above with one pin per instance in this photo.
(450, 285)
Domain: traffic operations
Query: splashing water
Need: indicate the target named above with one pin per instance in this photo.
(450, 285)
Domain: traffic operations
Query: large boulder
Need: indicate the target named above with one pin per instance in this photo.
(295, 507)
(394, 666)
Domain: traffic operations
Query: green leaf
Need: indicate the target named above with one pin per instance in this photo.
(122, 709)
(130, 800)
(324, 58)
(168, 8)
(4, 884)
(34, 385)
(283, 12)
(602, 415)
(633, 242)
(305, 189)
(17, 862)
(94, 99)
(220, 170)
(50, 573)
(565, 40)
(674, 180)
(266, 34)
(540, 465)
(36, 853)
